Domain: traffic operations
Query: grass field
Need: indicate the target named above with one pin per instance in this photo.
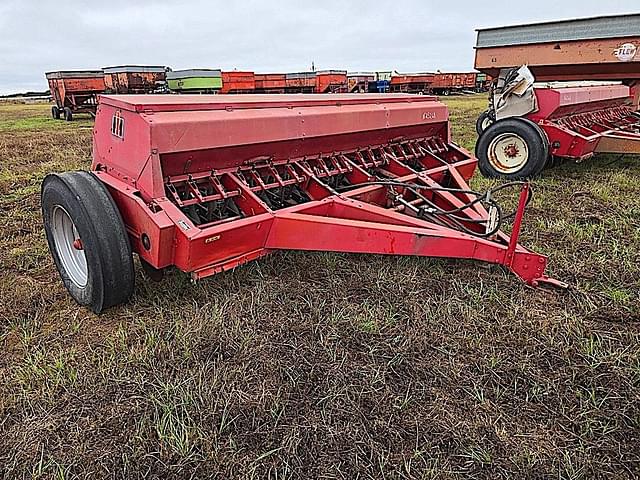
(326, 365)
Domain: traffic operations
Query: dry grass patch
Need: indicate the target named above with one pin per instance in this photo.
(325, 365)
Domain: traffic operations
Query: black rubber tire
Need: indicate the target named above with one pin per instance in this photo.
(55, 112)
(480, 122)
(110, 271)
(537, 145)
(68, 115)
(553, 161)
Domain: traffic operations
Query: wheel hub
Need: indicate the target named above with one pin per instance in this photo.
(508, 153)
(69, 247)
(511, 151)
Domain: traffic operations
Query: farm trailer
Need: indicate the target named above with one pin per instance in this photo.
(75, 91)
(448, 83)
(302, 82)
(483, 82)
(382, 83)
(572, 114)
(436, 83)
(412, 83)
(134, 79)
(207, 183)
(359, 82)
(270, 82)
(331, 81)
(238, 82)
(197, 80)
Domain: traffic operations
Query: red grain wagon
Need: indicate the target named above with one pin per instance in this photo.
(447, 83)
(303, 82)
(238, 82)
(331, 81)
(270, 82)
(134, 78)
(358, 82)
(412, 83)
(75, 91)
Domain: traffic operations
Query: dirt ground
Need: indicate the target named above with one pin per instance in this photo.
(324, 365)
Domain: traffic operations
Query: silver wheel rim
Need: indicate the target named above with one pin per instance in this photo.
(69, 246)
(508, 153)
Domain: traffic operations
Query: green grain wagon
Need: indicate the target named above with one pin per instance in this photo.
(195, 80)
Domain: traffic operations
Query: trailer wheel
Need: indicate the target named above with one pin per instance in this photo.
(553, 161)
(512, 148)
(87, 239)
(483, 122)
(55, 112)
(68, 115)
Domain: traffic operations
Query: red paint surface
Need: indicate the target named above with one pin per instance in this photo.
(248, 145)
(576, 119)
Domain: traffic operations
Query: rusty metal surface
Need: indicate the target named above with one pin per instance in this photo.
(616, 143)
(422, 78)
(575, 60)
(454, 80)
(76, 90)
(333, 81)
(270, 81)
(131, 79)
(601, 48)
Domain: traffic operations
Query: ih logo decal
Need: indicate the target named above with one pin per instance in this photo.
(626, 52)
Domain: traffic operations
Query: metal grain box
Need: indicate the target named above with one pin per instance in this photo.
(238, 82)
(359, 81)
(301, 80)
(331, 81)
(199, 79)
(268, 81)
(422, 78)
(599, 48)
(454, 80)
(134, 78)
(76, 89)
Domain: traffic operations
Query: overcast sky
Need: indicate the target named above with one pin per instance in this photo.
(259, 35)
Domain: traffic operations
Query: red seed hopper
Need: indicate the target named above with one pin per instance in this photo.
(207, 183)
(582, 121)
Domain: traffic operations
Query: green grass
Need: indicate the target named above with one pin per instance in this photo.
(326, 365)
